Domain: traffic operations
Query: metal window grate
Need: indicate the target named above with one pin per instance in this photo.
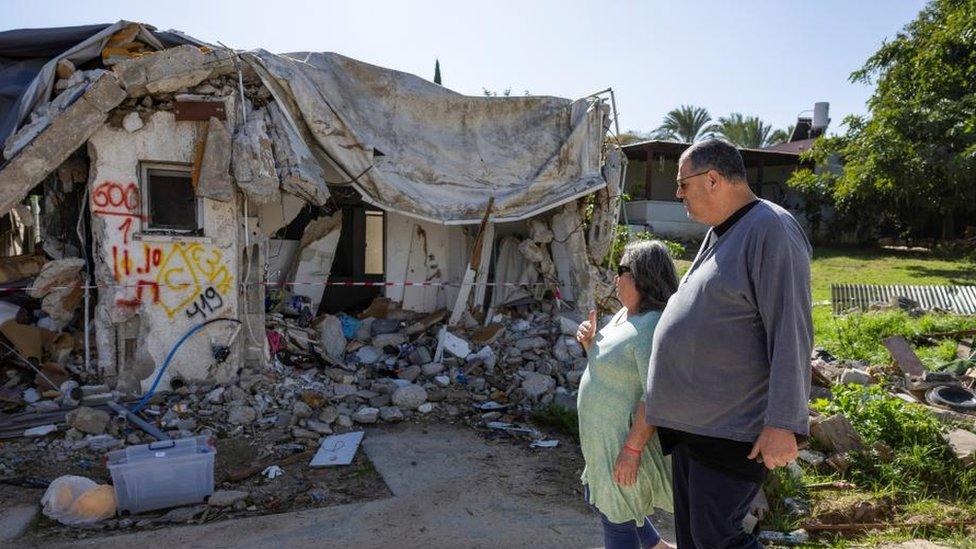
(957, 299)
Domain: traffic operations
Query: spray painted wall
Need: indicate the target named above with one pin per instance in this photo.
(154, 287)
(419, 251)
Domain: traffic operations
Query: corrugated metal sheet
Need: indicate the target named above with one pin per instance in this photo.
(957, 299)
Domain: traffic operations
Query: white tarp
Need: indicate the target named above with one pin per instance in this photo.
(414, 147)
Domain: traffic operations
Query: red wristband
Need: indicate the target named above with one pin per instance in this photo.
(631, 449)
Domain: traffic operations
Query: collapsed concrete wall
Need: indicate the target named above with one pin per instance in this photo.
(155, 287)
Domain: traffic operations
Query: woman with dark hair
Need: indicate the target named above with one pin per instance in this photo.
(626, 475)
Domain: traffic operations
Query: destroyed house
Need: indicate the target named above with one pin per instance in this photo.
(164, 198)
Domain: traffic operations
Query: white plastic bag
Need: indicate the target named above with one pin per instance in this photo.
(75, 500)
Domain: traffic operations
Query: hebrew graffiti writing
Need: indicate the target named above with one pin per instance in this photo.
(189, 277)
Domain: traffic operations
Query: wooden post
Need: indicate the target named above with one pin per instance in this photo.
(466, 283)
(483, 266)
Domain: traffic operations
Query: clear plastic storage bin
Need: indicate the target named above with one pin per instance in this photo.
(163, 474)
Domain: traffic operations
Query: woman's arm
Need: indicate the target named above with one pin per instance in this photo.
(628, 460)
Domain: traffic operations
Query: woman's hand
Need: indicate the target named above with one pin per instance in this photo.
(586, 331)
(625, 468)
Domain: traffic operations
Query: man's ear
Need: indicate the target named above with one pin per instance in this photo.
(713, 178)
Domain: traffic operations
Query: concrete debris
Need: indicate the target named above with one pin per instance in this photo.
(835, 433)
(535, 384)
(242, 415)
(366, 414)
(65, 68)
(88, 420)
(215, 180)
(67, 132)
(226, 498)
(300, 174)
(132, 122)
(963, 444)
(853, 375)
(409, 397)
(331, 337)
(253, 160)
(172, 69)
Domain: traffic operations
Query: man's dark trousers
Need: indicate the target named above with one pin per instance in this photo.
(709, 505)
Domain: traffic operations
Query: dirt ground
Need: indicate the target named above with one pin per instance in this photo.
(544, 476)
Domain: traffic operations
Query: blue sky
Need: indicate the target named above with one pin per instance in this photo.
(767, 58)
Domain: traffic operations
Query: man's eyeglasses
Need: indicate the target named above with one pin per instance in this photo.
(682, 180)
(622, 269)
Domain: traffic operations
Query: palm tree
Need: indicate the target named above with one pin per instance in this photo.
(744, 131)
(781, 136)
(687, 123)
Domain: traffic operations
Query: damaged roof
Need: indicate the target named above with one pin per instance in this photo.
(406, 144)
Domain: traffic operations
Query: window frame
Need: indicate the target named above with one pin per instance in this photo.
(145, 202)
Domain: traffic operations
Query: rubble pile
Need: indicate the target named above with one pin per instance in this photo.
(837, 443)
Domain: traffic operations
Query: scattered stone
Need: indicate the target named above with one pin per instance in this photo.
(331, 337)
(963, 444)
(425, 408)
(853, 375)
(432, 368)
(530, 343)
(836, 434)
(102, 443)
(393, 339)
(410, 373)
(536, 385)
(319, 427)
(391, 414)
(88, 420)
(443, 381)
(226, 498)
(366, 414)
(368, 354)
(301, 410)
(216, 396)
(241, 415)
(568, 326)
(409, 397)
(344, 421)
(65, 68)
(132, 122)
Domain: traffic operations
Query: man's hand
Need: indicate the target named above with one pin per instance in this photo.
(625, 468)
(586, 331)
(776, 447)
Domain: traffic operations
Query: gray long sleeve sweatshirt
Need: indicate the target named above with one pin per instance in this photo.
(731, 353)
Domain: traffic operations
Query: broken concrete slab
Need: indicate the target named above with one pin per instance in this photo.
(298, 170)
(132, 122)
(963, 444)
(567, 229)
(904, 356)
(88, 420)
(215, 180)
(55, 144)
(253, 160)
(172, 69)
(57, 274)
(331, 337)
(316, 252)
(606, 208)
(835, 433)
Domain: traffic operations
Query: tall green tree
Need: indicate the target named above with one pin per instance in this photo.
(744, 131)
(910, 165)
(687, 123)
(437, 71)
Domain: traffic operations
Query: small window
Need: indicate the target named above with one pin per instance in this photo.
(170, 202)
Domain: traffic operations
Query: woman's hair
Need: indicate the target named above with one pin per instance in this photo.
(653, 271)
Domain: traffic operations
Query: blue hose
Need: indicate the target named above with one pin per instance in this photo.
(152, 389)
